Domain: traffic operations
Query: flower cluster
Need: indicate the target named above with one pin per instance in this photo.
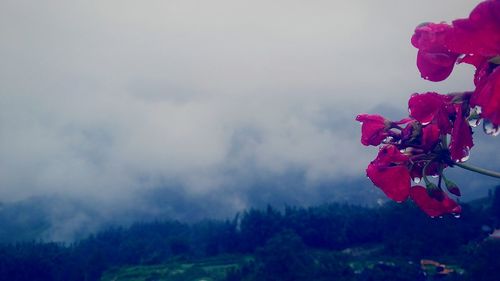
(438, 132)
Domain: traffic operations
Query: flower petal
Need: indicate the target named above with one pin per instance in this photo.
(389, 173)
(480, 33)
(431, 206)
(373, 129)
(435, 66)
(461, 137)
(430, 136)
(487, 96)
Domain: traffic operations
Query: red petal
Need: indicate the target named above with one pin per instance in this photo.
(424, 107)
(487, 95)
(431, 206)
(430, 136)
(432, 169)
(435, 66)
(393, 181)
(480, 33)
(373, 129)
(390, 155)
(461, 137)
(431, 37)
(389, 172)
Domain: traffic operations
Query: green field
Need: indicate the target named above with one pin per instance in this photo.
(362, 261)
(211, 269)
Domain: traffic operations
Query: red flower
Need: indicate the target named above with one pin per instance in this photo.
(374, 129)
(487, 96)
(419, 148)
(461, 137)
(431, 206)
(432, 107)
(476, 37)
(389, 172)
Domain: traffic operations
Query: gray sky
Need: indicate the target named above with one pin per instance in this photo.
(104, 99)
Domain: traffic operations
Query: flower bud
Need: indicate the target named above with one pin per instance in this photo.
(452, 187)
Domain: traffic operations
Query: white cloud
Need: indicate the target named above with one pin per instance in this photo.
(102, 98)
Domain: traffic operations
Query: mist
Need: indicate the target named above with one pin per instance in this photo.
(118, 111)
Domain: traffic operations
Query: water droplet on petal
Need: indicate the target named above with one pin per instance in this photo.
(490, 128)
(417, 180)
(474, 121)
(475, 116)
(465, 158)
(478, 109)
(388, 139)
(466, 155)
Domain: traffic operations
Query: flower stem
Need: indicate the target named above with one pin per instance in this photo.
(479, 170)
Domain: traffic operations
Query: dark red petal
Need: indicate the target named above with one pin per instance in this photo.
(393, 181)
(461, 137)
(475, 60)
(424, 107)
(480, 33)
(483, 70)
(373, 129)
(389, 172)
(431, 206)
(432, 169)
(487, 95)
(430, 136)
(390, 155)
(435, 66)
(431, 37)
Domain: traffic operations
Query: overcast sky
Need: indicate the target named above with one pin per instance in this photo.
(104, 99)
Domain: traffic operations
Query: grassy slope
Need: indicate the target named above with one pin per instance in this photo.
(210, 269)
(215, 269)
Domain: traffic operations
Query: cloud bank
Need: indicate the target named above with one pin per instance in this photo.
(122, 103)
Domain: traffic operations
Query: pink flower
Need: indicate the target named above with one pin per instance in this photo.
(374, 129)
(461, 137)
(389, 172)
(431, 206)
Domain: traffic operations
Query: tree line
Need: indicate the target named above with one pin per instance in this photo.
(276, 237)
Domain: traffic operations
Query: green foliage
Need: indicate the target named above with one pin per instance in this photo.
(484, 262)
(495, 206)
(284, 257)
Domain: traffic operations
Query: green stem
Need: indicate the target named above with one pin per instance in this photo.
(479, 170)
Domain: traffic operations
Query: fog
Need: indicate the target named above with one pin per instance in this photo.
(189, 109)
